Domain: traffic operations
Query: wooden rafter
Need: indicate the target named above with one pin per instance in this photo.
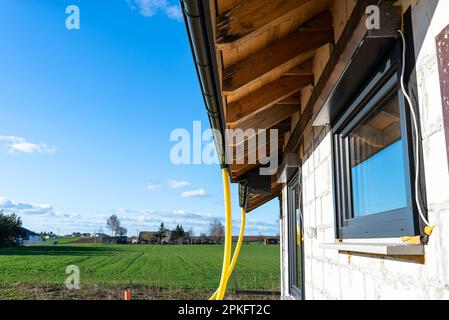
(267, 118)
(251, 152)
(265, 97)
(282, 128)
(266, 49)
(242, 168)
(304, 69)
(242, 165)
(254, 17)
(281, 56)
(293, 99)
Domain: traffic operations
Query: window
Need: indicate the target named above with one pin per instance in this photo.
(373, 160)
(377, 162)
(296, 241)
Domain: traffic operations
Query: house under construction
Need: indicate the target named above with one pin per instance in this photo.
(358, 93)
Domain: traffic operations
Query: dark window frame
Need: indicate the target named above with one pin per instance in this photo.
(380, 87)
(292, 245)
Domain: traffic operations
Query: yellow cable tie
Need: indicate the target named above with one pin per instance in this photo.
(411, 240)
(429, 230)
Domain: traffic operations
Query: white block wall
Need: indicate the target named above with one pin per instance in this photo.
(331, 275)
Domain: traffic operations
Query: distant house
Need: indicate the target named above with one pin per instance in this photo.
(133, 240)
(30, 238)
(203, 240)
(48, 235)
(147, 237)
(271, 241)
(168, 237)
(100, 235)
(151, 237)
(115, 240)
(258, 239)
(249, 239)
(185, 239)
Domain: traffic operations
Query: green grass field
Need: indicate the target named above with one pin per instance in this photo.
(168, 268)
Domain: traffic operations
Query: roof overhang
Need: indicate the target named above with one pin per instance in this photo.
(255, 57)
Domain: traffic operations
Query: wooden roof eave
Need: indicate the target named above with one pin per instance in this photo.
(242, 97)
(247, 110)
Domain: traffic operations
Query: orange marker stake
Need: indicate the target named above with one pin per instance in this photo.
(127, 295)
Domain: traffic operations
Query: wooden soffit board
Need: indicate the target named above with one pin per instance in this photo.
(265, 97)
(252, 25)
(278, 58)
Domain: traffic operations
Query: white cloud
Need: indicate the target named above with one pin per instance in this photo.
(149, 8)
(13, 144)
(174, 12)
(153, 186)
(24, 208)
(178, 184)
(194, 193)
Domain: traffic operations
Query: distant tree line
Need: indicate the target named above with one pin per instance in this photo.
(216, 230)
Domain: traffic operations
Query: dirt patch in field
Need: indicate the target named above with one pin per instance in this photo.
(21, 291)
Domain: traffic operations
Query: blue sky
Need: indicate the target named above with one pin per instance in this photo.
(378, 187)
(86, 117)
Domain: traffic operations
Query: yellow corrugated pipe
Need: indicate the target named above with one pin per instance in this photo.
(236, 252)
(228, 265)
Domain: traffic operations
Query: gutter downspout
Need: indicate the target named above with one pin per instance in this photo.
(203, 48)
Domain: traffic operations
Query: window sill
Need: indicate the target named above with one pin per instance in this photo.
(387, 249)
